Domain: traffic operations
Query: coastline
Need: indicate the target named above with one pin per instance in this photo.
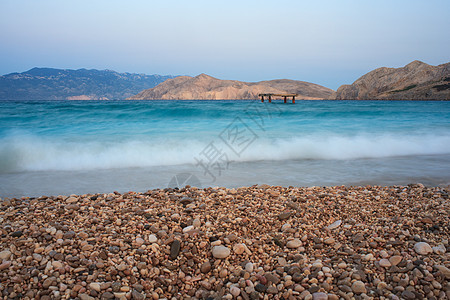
(247, 243)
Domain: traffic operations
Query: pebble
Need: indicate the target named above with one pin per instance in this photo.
(284, 216)
(188, 228)
(5, 255)
(408, 295)
(282, 261)
(249, 267)
(196, 223)
(85, 297)
(319, 296)
(57, 264)
(235, 291)
(423, 248)
(444, 270)
(395, 260)
(239, 249)
(152, 238)
(175, 249)
(358, 287)
(260, 287)
(5, 265)
(334, 225)
(439, 249)
(205, 267)
(329, 241)
(137, 296)
(48, 282)
(294, 244)
(272, 278)
(107, 295)
(120, 295)
(385, 263)
(220, 252)
(95, 286)
(286, 227)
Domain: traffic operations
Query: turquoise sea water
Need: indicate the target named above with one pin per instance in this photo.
(64, 147)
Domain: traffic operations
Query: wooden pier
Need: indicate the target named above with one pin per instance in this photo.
(284, 96)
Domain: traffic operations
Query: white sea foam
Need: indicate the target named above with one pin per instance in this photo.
(30, 153)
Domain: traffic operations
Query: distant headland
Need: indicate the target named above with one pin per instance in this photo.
(205, 87)
(415, 81)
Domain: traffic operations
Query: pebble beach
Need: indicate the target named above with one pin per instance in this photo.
(258, 242)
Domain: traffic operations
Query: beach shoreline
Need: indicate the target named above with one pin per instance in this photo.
(253, 242)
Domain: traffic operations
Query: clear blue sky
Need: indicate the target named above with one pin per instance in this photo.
(325, 42)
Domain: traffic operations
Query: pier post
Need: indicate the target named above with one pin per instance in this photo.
(284, 96)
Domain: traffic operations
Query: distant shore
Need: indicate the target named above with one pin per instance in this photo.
(244, 243)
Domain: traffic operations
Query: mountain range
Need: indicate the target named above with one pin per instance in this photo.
(415, 81)
(204, 87)
(82, 84)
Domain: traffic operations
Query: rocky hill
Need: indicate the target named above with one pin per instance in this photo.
(82, 84)
(204, 87)
(415, 81)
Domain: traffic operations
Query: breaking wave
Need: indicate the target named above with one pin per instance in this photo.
(34, 153)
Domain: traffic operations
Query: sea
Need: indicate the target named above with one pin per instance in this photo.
(79, 147)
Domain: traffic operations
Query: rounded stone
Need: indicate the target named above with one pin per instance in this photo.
(249, 267)
(439, 249)
(329, 241)
(423, 248)
(334, 225)
(235, 291)
(152, 238)
(57, 264)
(239, 249)
(385, 263)
(5, 255)
(87, 247)
(220, 251)
(196, 223)
(319, 296)
(95, 286)
(5, 265)
(140, 241)
(358, 287)
(395, 260)
(444, 270)
(272, 290)
(294, 244)
(205, 267)
(260, 288)
(188, 228)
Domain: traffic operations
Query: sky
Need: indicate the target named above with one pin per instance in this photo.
(325, 42)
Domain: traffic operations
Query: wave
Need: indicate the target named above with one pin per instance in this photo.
(33, 153)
